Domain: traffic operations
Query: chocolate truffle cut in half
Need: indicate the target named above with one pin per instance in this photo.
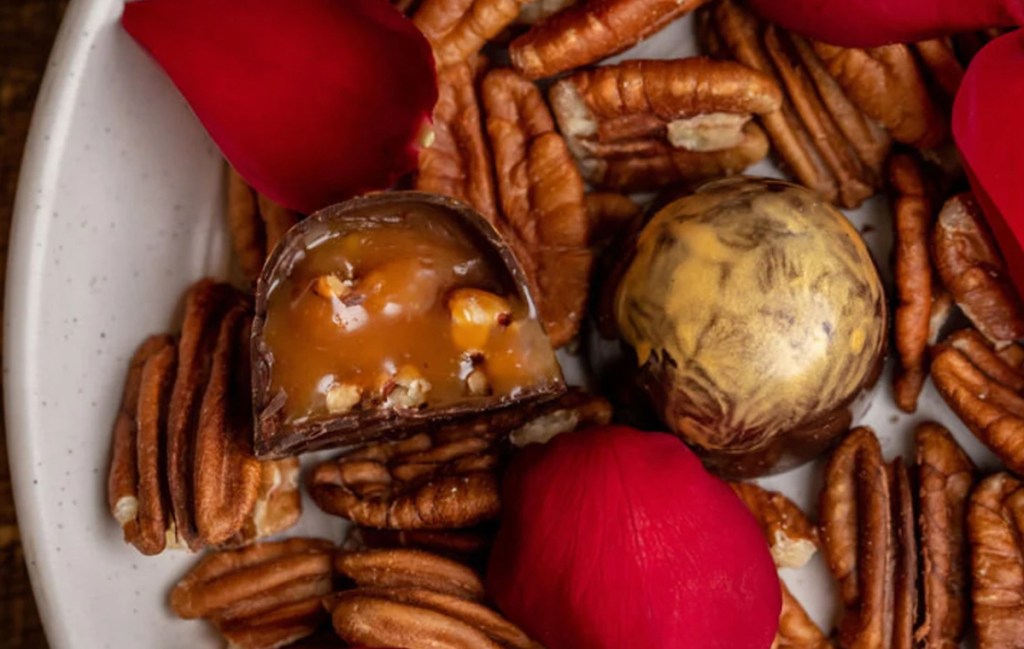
(389, 314)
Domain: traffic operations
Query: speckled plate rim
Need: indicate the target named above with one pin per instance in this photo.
(23, 301)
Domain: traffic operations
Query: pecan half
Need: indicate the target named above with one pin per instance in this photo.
(255, 222)
(466, 546)
(737, 33)
(915, 286)
(831, 142)
(440, 479)
(263, 596)
(423, 482)
(457, 29)
(973, 270)
(886, 83)
(857, 533)
(457, 162)
(796, 629)
(945, 476)
(985, 391)
(136, 495)
(541, 198)
(181, 465)
(408, 568)
(793, 538)
(995, 527)
(640, 109)
(591, 31)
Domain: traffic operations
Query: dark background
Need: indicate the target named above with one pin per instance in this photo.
(27, 29)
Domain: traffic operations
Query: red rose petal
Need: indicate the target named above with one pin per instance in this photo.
(988, 125)
(870, 23)
(313, 101)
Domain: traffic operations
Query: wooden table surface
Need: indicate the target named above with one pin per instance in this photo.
(27, 29)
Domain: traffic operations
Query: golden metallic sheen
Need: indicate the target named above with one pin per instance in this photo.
(754, 308)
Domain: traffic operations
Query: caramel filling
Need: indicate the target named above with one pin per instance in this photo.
(400, 316)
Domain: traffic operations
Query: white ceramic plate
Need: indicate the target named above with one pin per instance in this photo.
(119, 209)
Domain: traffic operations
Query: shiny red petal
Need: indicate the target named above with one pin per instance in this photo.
(313, 101)
(988, 125)
(614, 538)
(870, 23)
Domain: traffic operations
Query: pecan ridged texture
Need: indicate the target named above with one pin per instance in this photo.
(972, 268)
(995, 527)
(457, 29)
(820, 134)
(590, 31)
(796, 629)
(857, 533)
(945, 477)
(693, 113)
(458, 163)
(264, 596)
(406, 598)
(540, 190)
(182, 472)
(445, 478)
(985, 388)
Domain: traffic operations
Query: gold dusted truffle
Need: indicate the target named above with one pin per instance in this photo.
(758, 318)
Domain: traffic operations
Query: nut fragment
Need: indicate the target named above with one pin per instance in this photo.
(973, 270)
(995, 527)
(457, 163)
(591, 31)
(407, 568)
(135, 492)
(945, 475)
(915, 285)
(255, 222)
(985, 391)
(640, 108)
(796, 629)
(406, 390)
(475, 315)
(792, 537)
(342, 398)
(857, 532)
(938, 57)
(541, 197)
(263, 596)
(457, 29)
(886, 83)
(576, 410)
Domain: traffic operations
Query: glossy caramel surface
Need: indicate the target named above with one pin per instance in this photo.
(407, 314)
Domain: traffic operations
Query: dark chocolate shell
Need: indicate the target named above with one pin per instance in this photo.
(274, 434)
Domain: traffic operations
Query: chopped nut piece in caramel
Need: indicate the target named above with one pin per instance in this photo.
(995, 527)
(475, 314)
(332, 287)
(342, 398)
(406, 389)
(971, 267)
(477, 383)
